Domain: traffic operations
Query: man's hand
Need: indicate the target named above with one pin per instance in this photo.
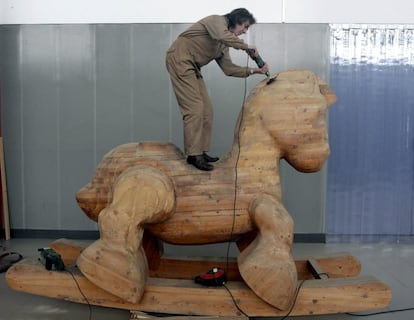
(252, 51)
(261, 70)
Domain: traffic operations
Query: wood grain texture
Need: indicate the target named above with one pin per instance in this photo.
(148, 187)
(173, 296)
(286, 119)
(335, 265)
(143, 194)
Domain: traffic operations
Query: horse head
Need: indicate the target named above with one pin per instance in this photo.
(292, 109)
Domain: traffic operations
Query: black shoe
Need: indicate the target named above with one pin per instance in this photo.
(199, 162)
(210, 159)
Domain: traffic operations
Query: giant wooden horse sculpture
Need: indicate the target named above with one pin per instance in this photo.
(145, 193)
(148, 186)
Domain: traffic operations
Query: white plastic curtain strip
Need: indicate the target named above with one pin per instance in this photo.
(372, 44)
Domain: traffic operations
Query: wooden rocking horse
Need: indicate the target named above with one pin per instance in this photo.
(143, 194)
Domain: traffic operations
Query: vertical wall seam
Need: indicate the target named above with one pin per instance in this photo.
(170, 99)
(21, 104)
(57, 36)
(132, 131)
(94, 77)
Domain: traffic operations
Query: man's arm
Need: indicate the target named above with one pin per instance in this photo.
(231, 69)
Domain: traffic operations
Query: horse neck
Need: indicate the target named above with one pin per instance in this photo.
(255, 152)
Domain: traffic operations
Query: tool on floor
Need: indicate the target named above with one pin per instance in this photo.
(51, 259)
(213, 278)
(260, 63)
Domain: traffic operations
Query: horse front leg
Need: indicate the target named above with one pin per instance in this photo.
(116, 262)
(267, 265)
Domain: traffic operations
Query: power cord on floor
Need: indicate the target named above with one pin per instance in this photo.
(379, 312)
(294, 300)
(284, 317)
(234, 301)
(81, 292)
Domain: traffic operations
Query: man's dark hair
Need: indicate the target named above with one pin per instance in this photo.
(239, 16)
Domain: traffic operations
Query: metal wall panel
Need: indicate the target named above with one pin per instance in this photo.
(10, 45)
(77, 110)
(70, 93)
(371, 171)
(39, 126)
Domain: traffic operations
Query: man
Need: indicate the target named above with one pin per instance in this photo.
(208, 39)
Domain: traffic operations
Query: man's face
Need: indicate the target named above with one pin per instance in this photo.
(240, 29)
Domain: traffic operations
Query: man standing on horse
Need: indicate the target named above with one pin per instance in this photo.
(208, 39)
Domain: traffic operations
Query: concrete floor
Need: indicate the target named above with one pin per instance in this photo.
(391, 262)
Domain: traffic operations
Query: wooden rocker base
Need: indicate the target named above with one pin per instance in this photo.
(328, 284)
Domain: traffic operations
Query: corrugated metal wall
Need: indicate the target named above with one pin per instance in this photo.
(70, 93)
(371, 169)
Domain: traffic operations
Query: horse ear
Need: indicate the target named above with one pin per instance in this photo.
(328, 93)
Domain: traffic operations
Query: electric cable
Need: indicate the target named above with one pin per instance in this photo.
(234, 301)
(235, 168)
(234, 210)
(379, 312)
(235, 192)
(81, 292)
(294, 300)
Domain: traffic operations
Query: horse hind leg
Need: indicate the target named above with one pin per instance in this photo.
(116, 262)
(267, 265)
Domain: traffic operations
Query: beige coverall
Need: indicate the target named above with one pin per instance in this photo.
(204, 41)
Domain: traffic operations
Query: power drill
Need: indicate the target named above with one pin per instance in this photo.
(258, 59)
(51, 259)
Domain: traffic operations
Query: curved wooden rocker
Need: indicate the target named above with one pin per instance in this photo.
(143, 194)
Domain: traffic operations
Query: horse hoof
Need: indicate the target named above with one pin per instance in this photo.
(122, 274)
(271, 274)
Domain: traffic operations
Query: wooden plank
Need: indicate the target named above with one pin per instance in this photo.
(336, 265)
(173, 296)
(6, 217)
(316, 269)
(68, 249)
(143, 315)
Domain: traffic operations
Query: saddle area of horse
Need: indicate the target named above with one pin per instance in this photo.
(283, 106)
(148, 186)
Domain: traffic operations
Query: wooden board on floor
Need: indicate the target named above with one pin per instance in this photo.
(176, 296)
(335, 265)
